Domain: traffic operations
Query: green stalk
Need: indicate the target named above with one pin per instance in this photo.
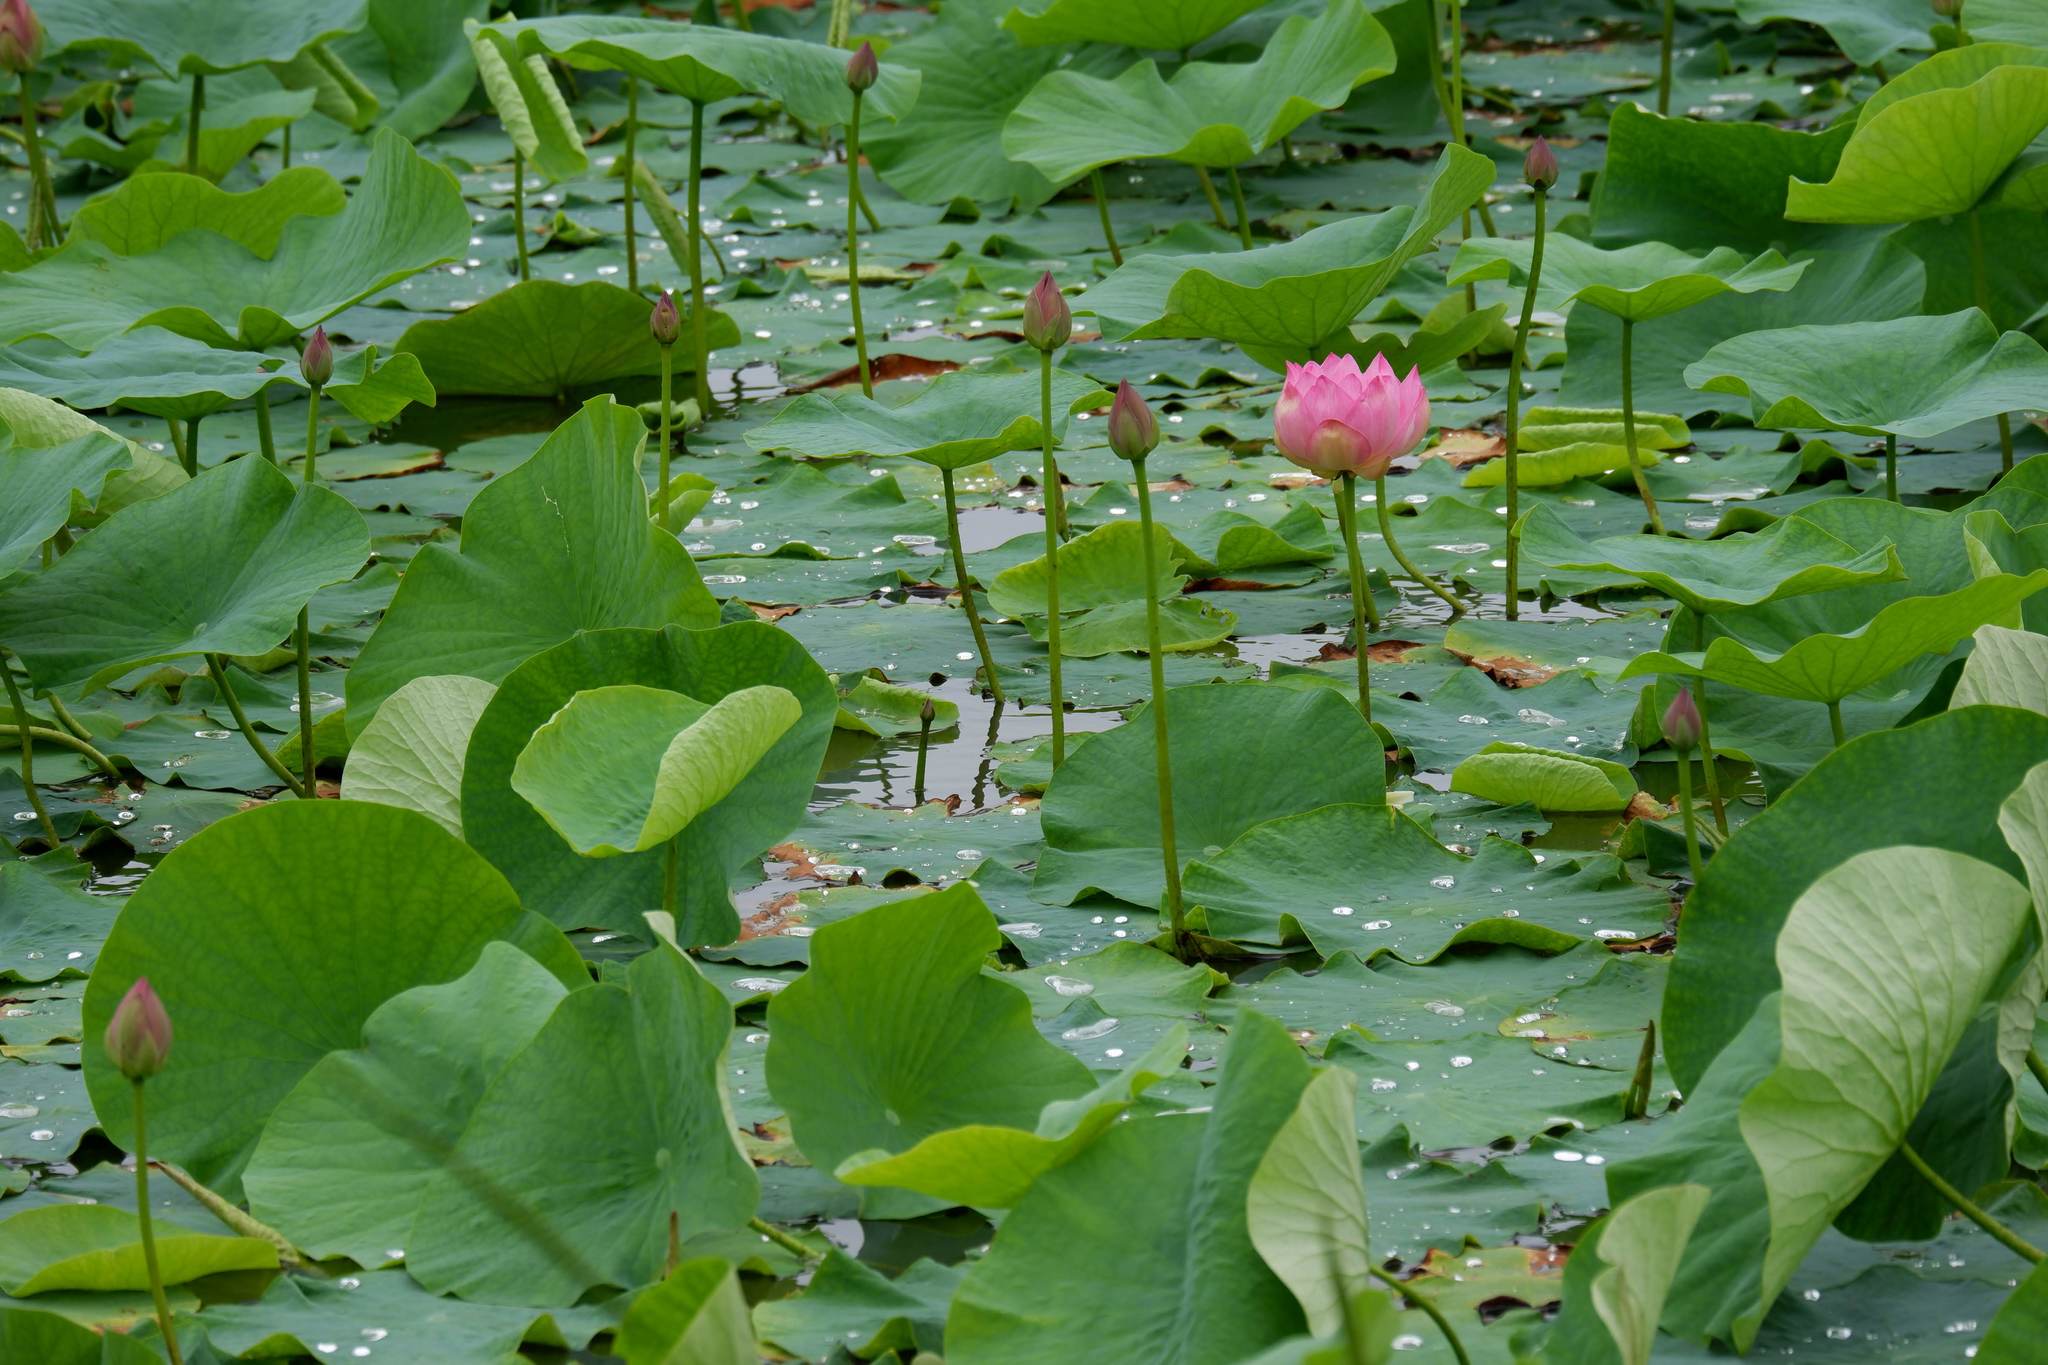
(28, 760)
(988, 662)
(1054, 503)
(68, 741)
(519, 212)
(1969, 1208)
(1347, 526)
(1183, 941)
(743, 20)
(1891, 466)
(783, 1240)
(1116, 253)
(232, 1216)
(1664, 58)
(668, 374)
(217, 669)
(265, 440)
(1455, 108)
(142, 1218)
(1981, 283)
(1699, 697)
(1516, 359)
(924, 744)
(287, 159)
(192, 122)
(1346, 489)
(698, 349)
(632, 129)
(1628, 424)
(42, 219)
(65, 720)
(1692, 841)
(1209, 193)
(188, 454)
(1244, 220)
(303, 641)
(1429, 1310)
(1835, 723)
(1379, 485)
(1635, 1102)
(177, 431)
(860, 334)
(867, 210)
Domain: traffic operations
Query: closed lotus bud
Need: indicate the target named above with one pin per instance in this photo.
(21, 37)
(1948, 9)
(862, 69)
(316, 362)
(1133, 431)
(1048, 322)
(1681, 723)
(1539, 167)
(928, 712)
(665, 323)
(139, 1034)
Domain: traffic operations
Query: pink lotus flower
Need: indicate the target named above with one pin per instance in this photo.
(1335, 419)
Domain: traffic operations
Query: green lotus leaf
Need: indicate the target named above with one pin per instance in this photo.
(1100, 814)
(234, 554)
(377, 393)
(36, 423)
(1103, 568)
(1147, 1272)
(530, 106)
(1184, 624)
(229, 132)
(293, 889)
(872, 706)
(707, 63)
(2016, 1333)
(2005, 668)
(1510, 774)
(957, 420)
(54, 928)
(1789, 558)
(38, 485)
(320, 73)
(1555, 466)
(1286, 300)
(853, 1305)
(347, 1155)
(411, 752)
(1207, 113)
(2008, 21)
(1620, 1274)
(1305, 1207)
(716, 846)
(1546, 428)
(697, 1315)
(1869, 32)
(647, 1133)
(1937, 143)
(145, 212)
(1227, 541)
(415, 56)
(407, 214)
(562, 543)
(177, 39)
(1132, 23)
(1914, 377)
(1827, 668)
(150, 370)
(50, 1337)
(97, 1247)
(1637, 283)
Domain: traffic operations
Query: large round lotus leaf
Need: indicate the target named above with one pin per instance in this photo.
(633, 1131)
(1938, 783)
(1869, 32)
(1103, 568)
(144, 212)
(406, 215)
(150, 370)
(1914, 377)
(707, 63)
(955, 421)
(1285, 751)
(624, 769)
(2009, 21)
(179, 38)
(37, 485)
(98, 1247)
(220, 565)
(1637, 283)
(1143, 24)
(1208, 113)
(614, 892)
(344, 1160)
(411, 754)
(271, 936)
(560, 544)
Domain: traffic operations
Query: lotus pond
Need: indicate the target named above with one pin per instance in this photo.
(1014, 681)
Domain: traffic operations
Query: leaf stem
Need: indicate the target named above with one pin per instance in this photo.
(28, 760)
(1692, 838)
(1183, 942)
(266, 440)
(142, 1218)
(1346, 489)
(1209, 192)
(1054, 505)
(1636, 1101)
(1980, 281)
(671, 860)
(1891, 466)
(1429, 1309)
(303, 640)
(1244, 219)
(860, 335)
(699, 352)
(188, 454)
(69, 741)
(1512, 454)
(782, 1239)
(1664, 58)
(2011, 1240)
(1628, 424)
(632, 128)
(217, 669)
(1699, 696)
(1379, 484)
(2038, 1067)
(1116, 253)
(198, 107)
(924, 744)
(42, 219)
(519, 212)
(244, 1224)
(1835, 723)
(988, 663)
(662, 495)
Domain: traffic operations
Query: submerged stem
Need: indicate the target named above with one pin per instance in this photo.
(1116, 254)
(1628, 424)
(924, 744)
(28, 769)
(1379, 485)
(860, 335)
(1346, 489)
(988, 663)
(1054, 500)
(148, 1230)
(1512, 453)
(1183, 941)
(1969, 1208)
(217, 669)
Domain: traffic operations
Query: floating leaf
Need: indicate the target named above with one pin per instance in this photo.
(957, 420)
(1637, 283)
(1869, 32)
(96, 1247)
(1509, 774)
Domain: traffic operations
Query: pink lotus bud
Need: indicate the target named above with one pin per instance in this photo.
(1133, 431)
(139, 1034)
(21, 37)
(1539, 167)
(1048, 322)
(1681, 724)
(1335, 419)
(316, 362)
(665, 323)
(863, 69)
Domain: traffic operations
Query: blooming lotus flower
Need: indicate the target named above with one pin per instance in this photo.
(21, 37)
(139, 1035)
(1336, 419)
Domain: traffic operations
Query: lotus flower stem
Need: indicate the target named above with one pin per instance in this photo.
(68, 741)
(1244, 219)
(1401, 556)
(285, 156)
(1699, 692)
(1512, 454)
(192, 122)
(925, 715)
(142, 1218)
(1209, 193)
(1692, 839)
(1628, 424)
(42, 218)
(28, 768)
(1053, 496)
(782, 1239)
(698, 350)
(1183, 941)
(632, 128)
(1451, 94)
(266, 440)
(188, 454)
(1362, 607)
(1429, 1310)
(1664, 58)
(2011, 1240)
(860, 335)
(230, 1216)
(1116, 253)
(1891, 466)
(1635, 1101)
(1835, 723)
(217, 669)
(65, 720)
(1981, 283)
(668, 375)
(867, 208)
(988, 662)
(302, 640)
(519, 212)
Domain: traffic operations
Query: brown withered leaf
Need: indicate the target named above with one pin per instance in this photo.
(1465, 447)
(883, 368)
